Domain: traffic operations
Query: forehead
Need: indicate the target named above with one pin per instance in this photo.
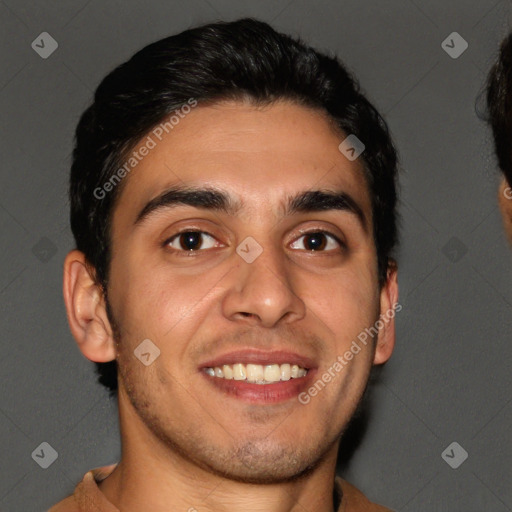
(260, 154)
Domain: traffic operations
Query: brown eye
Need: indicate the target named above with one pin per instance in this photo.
(318, 241)
(191, 241)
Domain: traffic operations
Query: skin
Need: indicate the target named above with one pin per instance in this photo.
(184, 443)
(505, 204)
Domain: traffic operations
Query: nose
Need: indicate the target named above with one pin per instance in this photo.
(262, 292)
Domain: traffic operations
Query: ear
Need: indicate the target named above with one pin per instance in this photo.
(86, 311)
(505, 204)
(388, 308)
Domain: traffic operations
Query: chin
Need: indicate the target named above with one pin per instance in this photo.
(263, 473)
(253, 464)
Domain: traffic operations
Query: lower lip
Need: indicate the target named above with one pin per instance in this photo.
(262, 393)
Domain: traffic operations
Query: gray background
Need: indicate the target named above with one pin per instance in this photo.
(449, 378)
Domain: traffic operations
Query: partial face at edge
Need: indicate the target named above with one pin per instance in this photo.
(197, 305)
(505, 204)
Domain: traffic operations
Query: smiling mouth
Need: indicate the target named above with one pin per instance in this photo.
(257, 373)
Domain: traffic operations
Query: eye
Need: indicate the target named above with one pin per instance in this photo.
(194, 240)
(318, 241)
(190, 241)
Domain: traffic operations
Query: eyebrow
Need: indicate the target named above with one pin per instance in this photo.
(209, 198)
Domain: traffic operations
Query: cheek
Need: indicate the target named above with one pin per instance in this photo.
(159, 303)
(347, 303)
(138, 299)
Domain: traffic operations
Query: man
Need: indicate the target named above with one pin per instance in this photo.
(233, 206)
(499, 105)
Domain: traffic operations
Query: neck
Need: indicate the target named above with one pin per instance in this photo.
(131, 489)
(153, 476)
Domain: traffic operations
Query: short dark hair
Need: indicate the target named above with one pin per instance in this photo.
(244, 59)
(499, 106)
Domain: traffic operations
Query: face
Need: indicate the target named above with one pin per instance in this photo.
(245, 279)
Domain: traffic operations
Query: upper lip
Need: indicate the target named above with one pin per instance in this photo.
(254, 356)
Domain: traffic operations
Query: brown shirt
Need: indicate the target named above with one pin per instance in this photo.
(87, 496)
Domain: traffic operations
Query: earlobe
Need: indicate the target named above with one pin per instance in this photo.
(388, 308)
(86, 311)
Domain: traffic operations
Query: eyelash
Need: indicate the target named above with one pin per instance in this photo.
(187, 253)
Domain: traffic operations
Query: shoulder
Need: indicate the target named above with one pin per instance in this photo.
(355, 501)
(87, 496)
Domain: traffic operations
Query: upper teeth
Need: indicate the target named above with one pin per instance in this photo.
(257, 373)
